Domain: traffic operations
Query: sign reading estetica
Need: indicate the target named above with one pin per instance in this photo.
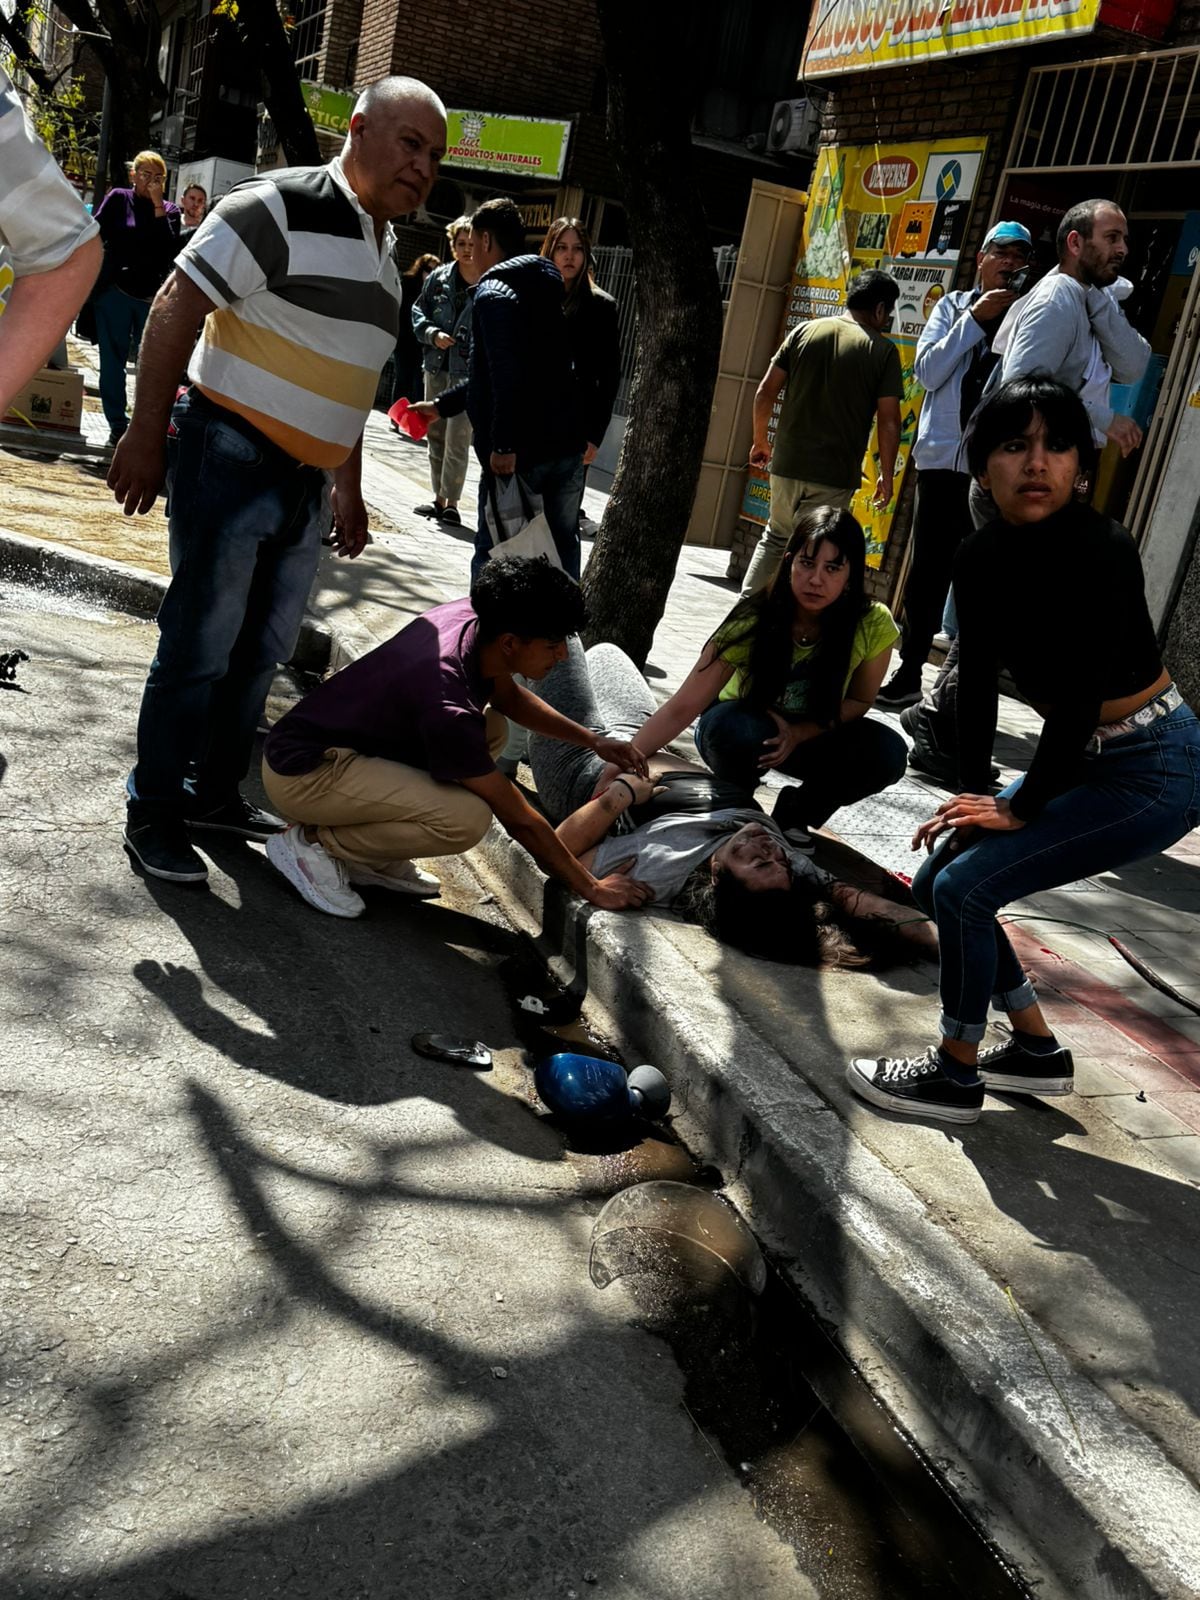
(526, 147)
(856, 35)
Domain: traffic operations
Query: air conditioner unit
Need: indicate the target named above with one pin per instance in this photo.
(795, 127)
(172, 133)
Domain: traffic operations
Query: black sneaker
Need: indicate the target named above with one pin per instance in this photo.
(160, 843)
(897, 694)
(1008, 1067)
(915, 1086)
(236, 815)
(785, 814)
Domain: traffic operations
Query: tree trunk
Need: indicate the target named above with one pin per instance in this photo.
(679, 329)
(129, 56)
(261, 30)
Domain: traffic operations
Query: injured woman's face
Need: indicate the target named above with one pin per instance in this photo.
(755, 857)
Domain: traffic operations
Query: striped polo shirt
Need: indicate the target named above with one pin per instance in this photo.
(42, 219)
(308, 309)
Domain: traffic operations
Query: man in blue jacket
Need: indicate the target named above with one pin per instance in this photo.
(953, 363)
(520, 393)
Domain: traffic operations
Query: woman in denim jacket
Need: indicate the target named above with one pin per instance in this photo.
(441, 318)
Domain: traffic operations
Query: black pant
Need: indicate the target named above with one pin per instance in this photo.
(941, 519)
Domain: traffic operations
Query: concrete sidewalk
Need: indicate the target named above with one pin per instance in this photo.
(1020, 1293)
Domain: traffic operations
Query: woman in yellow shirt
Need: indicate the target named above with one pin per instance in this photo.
(787, 679)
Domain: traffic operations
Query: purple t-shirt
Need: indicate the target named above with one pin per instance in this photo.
(418, 699)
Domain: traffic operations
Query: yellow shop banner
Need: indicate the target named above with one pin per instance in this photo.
(855, 35)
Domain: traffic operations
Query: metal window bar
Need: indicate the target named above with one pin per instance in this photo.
(615, 275)
(308, 37)
(1154, 120)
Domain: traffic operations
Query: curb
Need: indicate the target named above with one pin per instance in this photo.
(1074, 1497)
(80, 574)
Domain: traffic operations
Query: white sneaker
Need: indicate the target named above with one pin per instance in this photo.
(405, 877)
(319, 877)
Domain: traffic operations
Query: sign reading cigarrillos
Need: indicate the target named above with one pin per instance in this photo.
(855, 35)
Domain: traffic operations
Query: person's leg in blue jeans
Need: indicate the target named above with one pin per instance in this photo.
(1138, 795)
(116, 321)
(560, 485)
(483, 534)
(245, 539)
(729, 737)
(846, 764)
(842, 766)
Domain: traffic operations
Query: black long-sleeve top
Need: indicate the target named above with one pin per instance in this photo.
(594, 340)
(1060, 603)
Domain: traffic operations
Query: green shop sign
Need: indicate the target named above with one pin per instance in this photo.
(525, 147)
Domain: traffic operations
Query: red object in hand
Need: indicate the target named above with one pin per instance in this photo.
(409, 422)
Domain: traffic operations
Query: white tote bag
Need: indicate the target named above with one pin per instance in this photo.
(517, 523)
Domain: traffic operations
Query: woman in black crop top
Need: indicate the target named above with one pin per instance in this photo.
(1052, 591)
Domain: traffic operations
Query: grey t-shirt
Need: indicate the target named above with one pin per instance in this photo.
(668, 850)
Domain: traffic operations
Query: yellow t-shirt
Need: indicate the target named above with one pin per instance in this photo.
(876, 632)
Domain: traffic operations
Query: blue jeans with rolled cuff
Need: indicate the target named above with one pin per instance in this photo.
(846, 764)
(1137, 795)
(560, 485)
(246, 523)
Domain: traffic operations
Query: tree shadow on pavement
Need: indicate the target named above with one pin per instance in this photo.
(493, 1495)
(1111, 1259)
(329, 1006)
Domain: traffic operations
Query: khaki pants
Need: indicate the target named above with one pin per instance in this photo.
(373, 812)
(449, 440)
(789, 497)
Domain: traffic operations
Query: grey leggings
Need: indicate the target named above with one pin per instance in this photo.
(603, 690)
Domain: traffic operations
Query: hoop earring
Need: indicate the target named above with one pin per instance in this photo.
(1082, 484)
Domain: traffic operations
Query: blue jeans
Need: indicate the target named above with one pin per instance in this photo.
(560, 484)
(246, 523)
(1139, 795)
(847, 764)
(119, 323)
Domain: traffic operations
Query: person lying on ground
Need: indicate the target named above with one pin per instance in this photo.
(704, 846)
(393, 758)
(787, 679)
(1113, 777)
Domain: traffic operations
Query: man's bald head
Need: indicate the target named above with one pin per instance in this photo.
(396, 142)
(389, 91)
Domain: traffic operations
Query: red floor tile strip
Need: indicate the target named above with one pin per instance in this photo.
(1117, 1014)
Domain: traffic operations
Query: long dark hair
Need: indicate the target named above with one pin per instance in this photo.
(581, 289)
(766, 619)
(1006, 414)
(797, 926)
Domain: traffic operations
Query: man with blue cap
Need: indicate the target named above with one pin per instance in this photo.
(953, 363)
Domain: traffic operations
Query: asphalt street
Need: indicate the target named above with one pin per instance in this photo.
(286, 1309)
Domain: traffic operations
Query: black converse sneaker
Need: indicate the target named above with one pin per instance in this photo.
(1008, 1067)
(915, 1086)
(238, 816)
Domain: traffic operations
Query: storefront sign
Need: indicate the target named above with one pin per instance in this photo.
(902, 208)
(525, 147)
(329, 108)
(858, 35)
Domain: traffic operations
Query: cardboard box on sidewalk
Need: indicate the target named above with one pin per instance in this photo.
(50, 400)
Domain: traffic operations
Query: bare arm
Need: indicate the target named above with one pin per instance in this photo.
(695, 694)
(887, 420)
(765, 396)
(41, 307)
(523, 823)
(140, 460)
(864, 685)
(593, 820)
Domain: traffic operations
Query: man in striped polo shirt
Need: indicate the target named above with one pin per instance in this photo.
(292, 276)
